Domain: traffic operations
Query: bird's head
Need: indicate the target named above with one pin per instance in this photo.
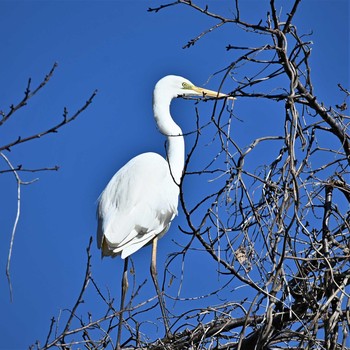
(175, 86)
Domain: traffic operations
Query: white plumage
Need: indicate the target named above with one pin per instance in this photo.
(141, 199)
(136, 205)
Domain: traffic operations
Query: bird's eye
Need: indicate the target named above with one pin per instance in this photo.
(186, 86)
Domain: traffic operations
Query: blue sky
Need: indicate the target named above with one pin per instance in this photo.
(120, 49)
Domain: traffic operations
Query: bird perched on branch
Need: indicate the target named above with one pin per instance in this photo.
(141, 199)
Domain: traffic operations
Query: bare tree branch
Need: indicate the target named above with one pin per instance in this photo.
(15, 170)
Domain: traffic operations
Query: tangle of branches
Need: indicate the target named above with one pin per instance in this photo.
(276, 226)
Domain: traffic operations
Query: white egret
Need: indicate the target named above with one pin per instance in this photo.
(141, 199)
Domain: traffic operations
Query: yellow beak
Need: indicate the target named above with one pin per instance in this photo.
(211, 93)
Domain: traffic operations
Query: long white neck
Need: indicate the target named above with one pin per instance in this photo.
(167, 126)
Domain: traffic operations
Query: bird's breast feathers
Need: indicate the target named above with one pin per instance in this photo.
(140, 201)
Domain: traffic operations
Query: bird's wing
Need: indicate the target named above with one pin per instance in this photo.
(138, 203)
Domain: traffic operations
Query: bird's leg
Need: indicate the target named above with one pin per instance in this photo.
(155, 281)
(125, 286)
